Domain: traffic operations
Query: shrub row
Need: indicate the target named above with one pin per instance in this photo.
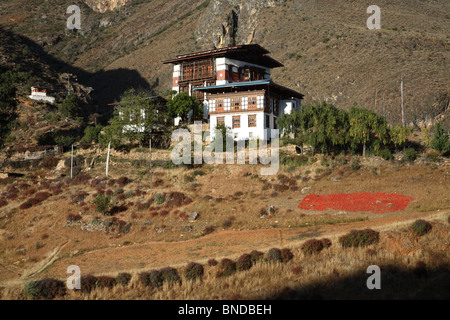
(90, 282)
(245, 262)
(156, 278)
(38, 198)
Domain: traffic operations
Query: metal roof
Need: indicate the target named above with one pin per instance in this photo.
(244, 84)
(252, 53)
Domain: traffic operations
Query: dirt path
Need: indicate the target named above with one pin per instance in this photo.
(146, 256)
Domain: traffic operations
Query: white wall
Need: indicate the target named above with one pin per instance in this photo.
(42, 97)
(286, 106)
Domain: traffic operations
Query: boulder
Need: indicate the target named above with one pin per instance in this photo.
(193, 216)
(186, 229)
(305, 189)
(125, 228)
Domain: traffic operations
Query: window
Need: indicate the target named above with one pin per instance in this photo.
(260, 102)
(247, 74)
(235, 104)
(267, 121)
(275, 107)
(212, 105)
(244, 103)
(227, 104)
(252, 103)
(236, 122)
(197, 70)
(219, 105)
(220, 120)
(252, 120)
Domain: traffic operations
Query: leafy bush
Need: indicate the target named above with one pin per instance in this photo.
(410, 154)
(170, 275)
(286, 255)
(73, 217)
(193, 271)
(38, 198)
(42, 196)
(359, 238)
(102, 203)
(81, 178)
(386, 154)
(143, 278)
(105, 282)
(88, 283)
(47, 288)
(160, 198)
(225, 224)
(244, 262)
(421, 227)
(312, 246)
(208, 230)
(123, 181)
(256, 256)
(3, 203)
(123, 278)
(280, 187)
(26, 205)
(274, 255)
(326, 243)
(355, 164)
(227, 267)
(212, 262)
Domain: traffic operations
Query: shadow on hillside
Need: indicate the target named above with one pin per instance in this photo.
(108, 85)
(396, 283)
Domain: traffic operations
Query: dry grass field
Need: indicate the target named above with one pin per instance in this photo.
(231, 201)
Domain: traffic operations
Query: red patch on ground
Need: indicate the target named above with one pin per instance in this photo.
(356, 202)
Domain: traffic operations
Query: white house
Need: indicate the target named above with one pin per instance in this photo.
(235, 87)
(39, 94)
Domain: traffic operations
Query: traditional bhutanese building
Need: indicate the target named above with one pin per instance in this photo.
(235, 88)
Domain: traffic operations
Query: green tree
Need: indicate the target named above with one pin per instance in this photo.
(70, 106)
(91, 133)
(133, 119)
(322, 126)
(440, 141)
(8, 104)
(181, 104)
(399, 135)
(367, 126)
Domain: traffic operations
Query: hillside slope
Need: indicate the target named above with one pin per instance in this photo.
(328, 52)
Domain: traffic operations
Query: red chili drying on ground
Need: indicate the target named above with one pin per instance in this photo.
(356, 202)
